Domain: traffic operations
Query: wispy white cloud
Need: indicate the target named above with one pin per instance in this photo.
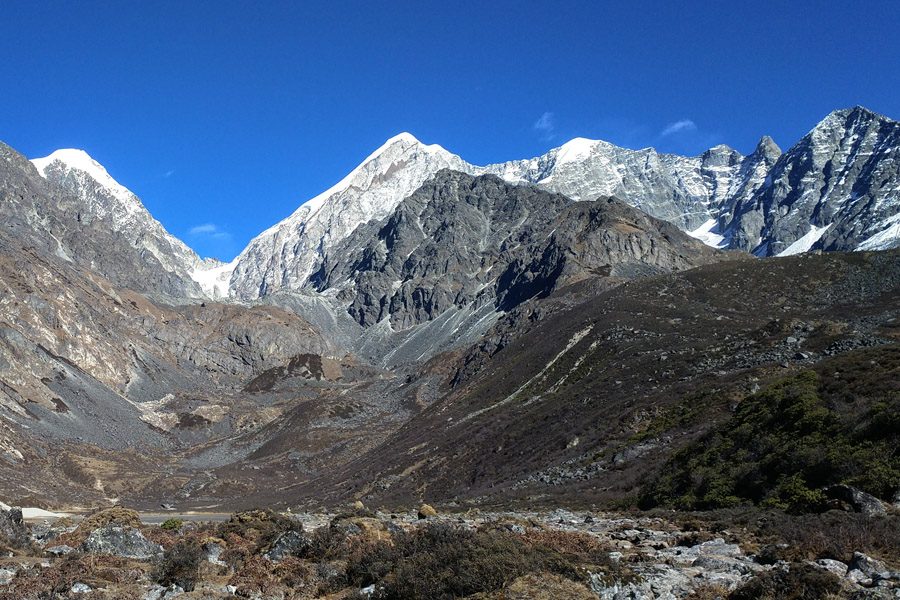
(209, 230)
(169, 173)
(199, 229)
(682, 125)
(545, 125)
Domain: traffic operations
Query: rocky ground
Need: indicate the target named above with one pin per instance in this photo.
(374, 554)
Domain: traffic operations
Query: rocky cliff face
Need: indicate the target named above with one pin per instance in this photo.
(462, 241)
(284, 256)
(99, 224)
(837, 189)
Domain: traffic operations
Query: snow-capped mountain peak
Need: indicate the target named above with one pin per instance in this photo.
(285, 255)
(97, 196)
(71, 158)
(575, 150)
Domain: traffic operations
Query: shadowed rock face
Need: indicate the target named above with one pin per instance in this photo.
(461, 241)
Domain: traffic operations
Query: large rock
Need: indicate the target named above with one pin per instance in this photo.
(861, 502)
(12, 527)
(290, 543)
(121, 541)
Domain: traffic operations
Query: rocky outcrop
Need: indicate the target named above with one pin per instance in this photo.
(442, 247)
(838, 188)
(290, 543)
(121, 541)
(12, 528)
(473, 241)
(860, 501)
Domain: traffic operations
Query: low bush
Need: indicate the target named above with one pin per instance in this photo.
(171, 524)
(255, 578)
(370, 561)
(258, 527)
(328, 543)
(180, 564)
(799, 582)
(441, 561)
(293, 572)
(834, 534)
(55, 582)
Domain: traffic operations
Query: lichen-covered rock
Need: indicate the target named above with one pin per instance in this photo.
(121, 541)
(290, 543)
(861, 502)
(12, 528)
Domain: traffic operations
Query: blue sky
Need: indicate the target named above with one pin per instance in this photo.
(225, 116)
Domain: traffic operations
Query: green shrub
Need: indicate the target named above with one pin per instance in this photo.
(172, 524)
(783, 445)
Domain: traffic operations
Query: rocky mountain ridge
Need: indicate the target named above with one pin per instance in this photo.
(836, 189)
(87, 198)
(749, 203)
(461, 240)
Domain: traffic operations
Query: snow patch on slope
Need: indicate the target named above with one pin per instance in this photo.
(213, 280)
(708, 233)
(806, 242)
(886, 238)
(575, 150)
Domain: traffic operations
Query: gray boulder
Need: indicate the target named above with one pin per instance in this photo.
(12, 527)
(60, 550)
(290, 543)
(870, 567)
(833, 566)
(861, 502)
(121, 541)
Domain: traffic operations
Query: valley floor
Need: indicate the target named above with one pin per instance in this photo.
(419, 553)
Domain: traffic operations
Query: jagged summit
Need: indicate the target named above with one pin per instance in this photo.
(767, 146)
(838, 188)
(400, 143)
(855, 111)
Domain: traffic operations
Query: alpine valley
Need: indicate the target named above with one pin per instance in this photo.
(596, 325)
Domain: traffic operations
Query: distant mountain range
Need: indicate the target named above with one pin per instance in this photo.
(362, 342)
(836, 189)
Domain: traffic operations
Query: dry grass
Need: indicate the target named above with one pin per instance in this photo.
(540, 586)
